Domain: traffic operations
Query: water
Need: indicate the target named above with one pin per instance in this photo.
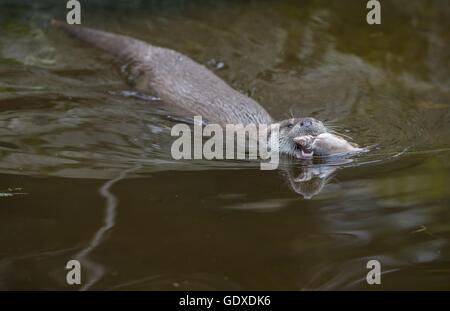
(71, 128)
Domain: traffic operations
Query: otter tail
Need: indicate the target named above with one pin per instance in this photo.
(120, 46)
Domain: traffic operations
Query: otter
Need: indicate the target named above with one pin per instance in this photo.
(191, 89)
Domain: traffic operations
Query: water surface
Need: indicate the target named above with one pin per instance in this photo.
(86, 171)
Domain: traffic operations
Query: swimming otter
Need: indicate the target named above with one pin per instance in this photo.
(190, 88)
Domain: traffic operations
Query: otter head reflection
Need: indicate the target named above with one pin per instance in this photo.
(308, 177)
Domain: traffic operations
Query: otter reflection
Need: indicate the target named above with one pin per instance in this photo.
(308, 177)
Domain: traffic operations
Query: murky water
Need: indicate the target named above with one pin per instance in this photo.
(86, 171)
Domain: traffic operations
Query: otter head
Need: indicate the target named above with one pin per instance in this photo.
(295, 127)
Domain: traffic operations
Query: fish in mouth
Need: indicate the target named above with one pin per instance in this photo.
(324, 144)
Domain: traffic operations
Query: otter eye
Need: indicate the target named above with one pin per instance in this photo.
(290, 125)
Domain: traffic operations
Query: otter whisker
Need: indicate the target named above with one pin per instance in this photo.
(290, 113)
(340, 134)
(333, 126)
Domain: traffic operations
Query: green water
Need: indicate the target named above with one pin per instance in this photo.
(65, 130)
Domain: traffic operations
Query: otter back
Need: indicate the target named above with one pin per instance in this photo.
(188, 87)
